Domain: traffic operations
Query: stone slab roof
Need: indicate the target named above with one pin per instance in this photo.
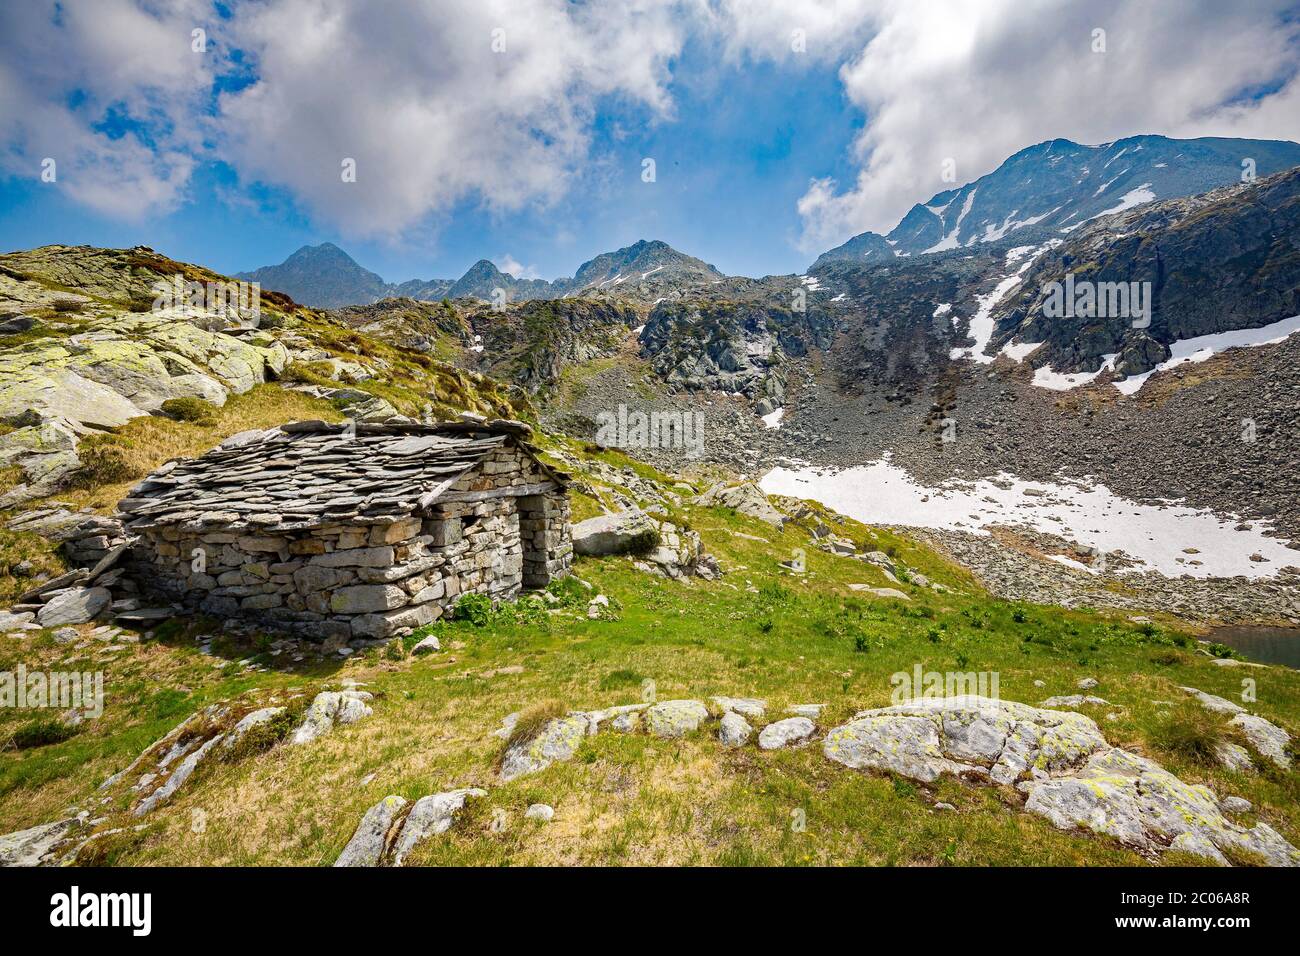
(305, 474)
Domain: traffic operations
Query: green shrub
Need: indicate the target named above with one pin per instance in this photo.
(1223, 650)
(644, 542)
(104, 463)
(475, 609)
(41, 732)
(190, 409)
(570, 591)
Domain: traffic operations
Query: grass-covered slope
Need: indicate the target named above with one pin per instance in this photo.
(760, 631)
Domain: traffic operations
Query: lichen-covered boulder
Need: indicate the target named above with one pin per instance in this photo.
(789, 732)
(559, 739)
(674, 718)
(430, 816)
(1143, 805)
(329, 708)
(595, 718)
(373, 834)
(967, 736)
(734, 730)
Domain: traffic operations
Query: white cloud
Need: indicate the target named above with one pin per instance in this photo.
(429, 112)
(978, 81)
(414, 93)
(67, 69)
(512, 266)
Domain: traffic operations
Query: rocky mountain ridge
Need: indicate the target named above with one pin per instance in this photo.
(326, 277)
(1054, 187)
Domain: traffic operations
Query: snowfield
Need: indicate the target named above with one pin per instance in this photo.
(1088, 514)
(1197, 349)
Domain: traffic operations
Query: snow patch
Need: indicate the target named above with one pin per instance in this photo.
(1087, 513)
(1203, 347)
(950, 241)
(1019, 351)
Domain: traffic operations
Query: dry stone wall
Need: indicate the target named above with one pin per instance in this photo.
(501, 526)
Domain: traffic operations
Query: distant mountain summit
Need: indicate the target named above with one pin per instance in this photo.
(483, 279)
(639, 261)
(326, 277)
(322, 276)
(1054, 187)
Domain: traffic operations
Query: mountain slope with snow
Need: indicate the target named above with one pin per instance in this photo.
(1053, 188)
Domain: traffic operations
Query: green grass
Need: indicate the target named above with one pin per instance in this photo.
(632, 799)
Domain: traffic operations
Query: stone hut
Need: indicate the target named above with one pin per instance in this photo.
(356, 531)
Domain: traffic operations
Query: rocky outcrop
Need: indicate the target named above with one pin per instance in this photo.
(660, 546)
(43, 845)
(392, 828)
(746, 498)
(559, 739)
(330, 709)
(1142, 805)
(1269, 740)
(1062, 764)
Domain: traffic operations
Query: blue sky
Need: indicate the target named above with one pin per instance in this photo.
(779, 128)
(730, 168)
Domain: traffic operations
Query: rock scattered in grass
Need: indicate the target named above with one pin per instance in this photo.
(1235, 805)
(1217, 704)
(675, 718)
(1072, 700)
(789, 732)
(1266, 737)
(811, 711)
(540, 811)
(1233, 757)
(734, 730)
(751, 707)
(331, 708)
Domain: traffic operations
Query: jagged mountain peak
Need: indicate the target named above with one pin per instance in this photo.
(1053, 187)
(639, 261)
(323, 276)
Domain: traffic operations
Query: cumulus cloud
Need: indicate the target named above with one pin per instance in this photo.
(496, 102)
(112, 92)
(977, 81)
(436, 102)
(513, 267)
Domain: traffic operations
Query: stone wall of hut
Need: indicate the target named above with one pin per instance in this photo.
(370, 578)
